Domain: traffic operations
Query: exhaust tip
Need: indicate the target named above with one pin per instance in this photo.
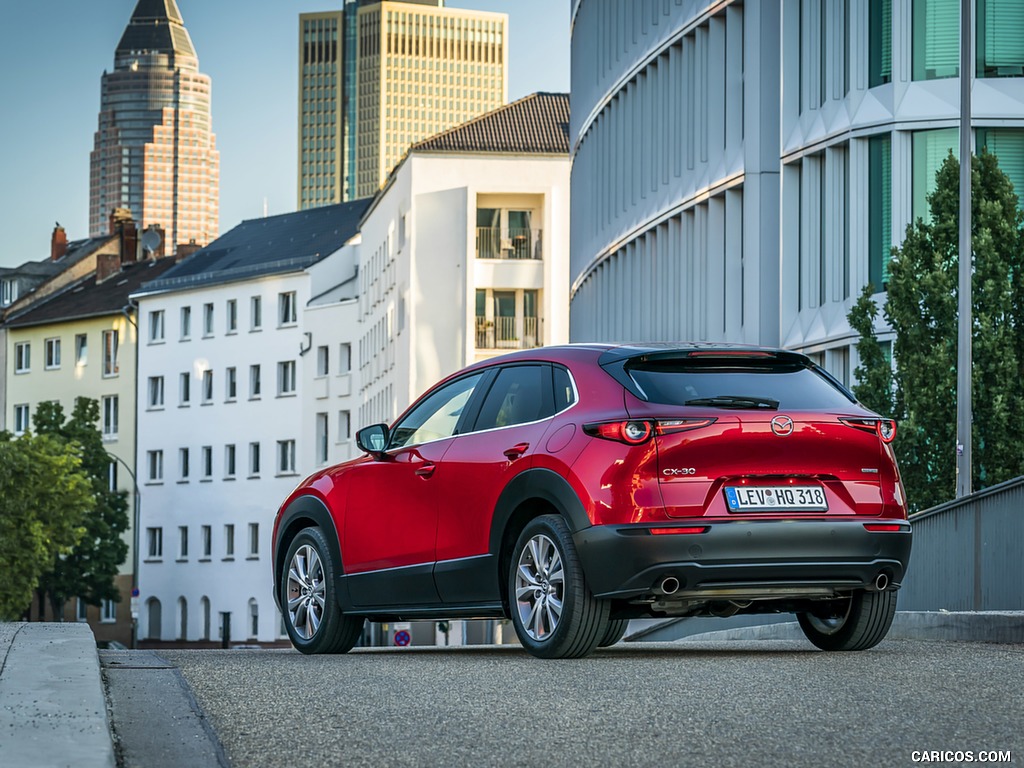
(668, 585)
(881, 582)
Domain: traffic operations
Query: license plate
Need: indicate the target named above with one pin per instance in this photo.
(781, 498)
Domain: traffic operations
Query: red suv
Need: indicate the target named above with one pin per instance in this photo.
(574, 488)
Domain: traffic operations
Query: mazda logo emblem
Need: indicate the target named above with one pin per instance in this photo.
(782, 426)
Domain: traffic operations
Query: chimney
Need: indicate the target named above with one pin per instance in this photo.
(58, 243)
(184, 250)
(129, 242)
(107, 264)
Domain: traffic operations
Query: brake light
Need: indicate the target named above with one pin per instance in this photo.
(884, 428)
(636, 431)
(663, 531)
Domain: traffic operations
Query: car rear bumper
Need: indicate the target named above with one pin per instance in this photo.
(732, 558)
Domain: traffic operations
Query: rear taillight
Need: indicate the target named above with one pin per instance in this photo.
(885, 527)
(884, 428)
(683, 530)
(636, 431)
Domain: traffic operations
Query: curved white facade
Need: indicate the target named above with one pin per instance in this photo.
(674, 231)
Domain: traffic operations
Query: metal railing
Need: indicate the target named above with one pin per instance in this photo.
(507, 333)
(512, 243)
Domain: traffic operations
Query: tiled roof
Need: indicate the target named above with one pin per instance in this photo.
(274, 244)
(87, 299)
(538, 123)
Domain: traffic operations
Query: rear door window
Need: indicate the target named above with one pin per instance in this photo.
(518, 396)
(752, 384)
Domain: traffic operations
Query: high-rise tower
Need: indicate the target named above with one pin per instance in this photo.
(155, 152)
(379, 75)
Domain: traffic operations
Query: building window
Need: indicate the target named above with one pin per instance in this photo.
(286, 378)
(22, 357)
(255, 313)
(184, 388)
(112, 476)
(232, 316)
(929, 150)
(229, 461)
(108, 612)
(155, 462)
(207, 319)
(254, 459)
(254, 539)
(344, 358)
(21, 419)
(231, 384)
(321, 438)
(1000, 44)
(155, 542)
(52, 354)
(207, 459)
(254, 619)
(286, 309)
(254, 382)
(285, 457)
(207, 386)
(344, 425)
(156, 326)
(183, 464)
(322, 361)
(879, 209)
(9, 292)
(109, 407)
(936, 39)
(880, 42)
(156, 391)
(183, 618)
(182, 542)
(204, 604)
(110, 364)
(229, 540)
(186, 323)
(81, 349)
(81, 610)
(207, 536)
(1007, 144)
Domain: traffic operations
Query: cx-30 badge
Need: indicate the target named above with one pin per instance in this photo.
(782, 426)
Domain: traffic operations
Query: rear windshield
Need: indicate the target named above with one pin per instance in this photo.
(752, 384)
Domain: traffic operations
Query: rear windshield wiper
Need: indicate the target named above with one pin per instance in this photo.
(735, 401)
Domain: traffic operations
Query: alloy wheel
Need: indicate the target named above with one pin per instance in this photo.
(307, 591)
(540, 587)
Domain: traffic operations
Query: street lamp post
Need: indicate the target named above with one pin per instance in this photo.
(964, 356)
(136, 506)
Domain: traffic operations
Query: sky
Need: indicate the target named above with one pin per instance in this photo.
(53, 53)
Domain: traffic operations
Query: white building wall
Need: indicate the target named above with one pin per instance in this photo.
(675, 171)
(230, 582)
(419, 272)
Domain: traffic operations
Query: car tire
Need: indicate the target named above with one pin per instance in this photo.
(553, 610)
(616, 631)
(312, 617)
(854, 624)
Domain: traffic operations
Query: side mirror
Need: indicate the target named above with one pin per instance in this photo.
(373, 440)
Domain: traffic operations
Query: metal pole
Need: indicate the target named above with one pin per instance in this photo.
(136, 506)
(963, 363)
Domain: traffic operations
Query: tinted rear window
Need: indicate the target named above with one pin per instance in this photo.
(753, 384)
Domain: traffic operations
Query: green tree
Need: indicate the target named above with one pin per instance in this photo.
(922, 310)
(44, 496)
(88, 571)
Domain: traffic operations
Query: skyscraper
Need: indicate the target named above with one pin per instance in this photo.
(154, 151)
(376, 77)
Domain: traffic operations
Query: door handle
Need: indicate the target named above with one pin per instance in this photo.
(516, 451)
(426, 470)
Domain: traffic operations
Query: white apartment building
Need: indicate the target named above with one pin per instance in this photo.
(221, 416)
(464, 253)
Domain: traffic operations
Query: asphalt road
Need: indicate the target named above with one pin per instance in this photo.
(710, 704)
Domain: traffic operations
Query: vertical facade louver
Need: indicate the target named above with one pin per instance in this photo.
(154, 150)
(675, 177)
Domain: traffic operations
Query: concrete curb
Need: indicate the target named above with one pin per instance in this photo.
(964, 627)
(53, 711)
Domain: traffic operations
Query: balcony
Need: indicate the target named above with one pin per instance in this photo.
(507, 332)
(511, 243)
